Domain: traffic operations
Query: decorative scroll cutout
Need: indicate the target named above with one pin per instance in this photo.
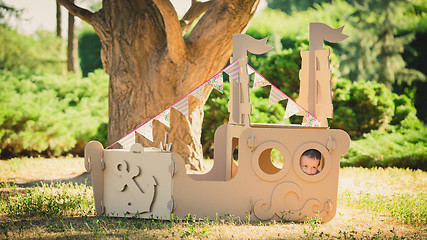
(276, 207)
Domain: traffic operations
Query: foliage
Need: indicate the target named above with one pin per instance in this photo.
(50, 200)
(89, 50)
(375, 48)
(405, 148)
(289, 6)
(41, 53)
(360, 107)
(216, 114)
(48, 113)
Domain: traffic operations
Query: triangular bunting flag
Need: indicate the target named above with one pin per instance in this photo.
(182, 106)
(146, 130)
(250, 70)
(217, 81)
(128, 140)
(233, 71)
(275, 95)
(291, 109)
(164, 117)
(259, 81)
(198, 92)
(310, 120)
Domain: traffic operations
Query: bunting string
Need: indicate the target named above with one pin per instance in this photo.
(146, 129)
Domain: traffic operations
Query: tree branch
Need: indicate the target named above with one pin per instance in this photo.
(82, 13)
(175, 41)
(197, 8)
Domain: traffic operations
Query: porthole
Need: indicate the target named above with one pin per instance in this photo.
(271, 161)
(325, 162)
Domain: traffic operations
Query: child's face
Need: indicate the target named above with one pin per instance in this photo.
(309, 165)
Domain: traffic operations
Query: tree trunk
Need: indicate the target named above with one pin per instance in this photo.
(58, 20)
(151, 65)
(72, 43)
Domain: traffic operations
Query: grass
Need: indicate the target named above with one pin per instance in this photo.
(372, 204)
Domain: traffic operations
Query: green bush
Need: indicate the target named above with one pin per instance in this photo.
(50, 114)
(42, 52)
(362, 106)
(405, 148)
(89, 51)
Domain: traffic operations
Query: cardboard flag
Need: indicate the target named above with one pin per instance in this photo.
(198, 92)
(128, 140)
(217, 81)
(146, 130)
(164, 117)
(259, 81)
(182, 106)
(275, 95)
(291, 109)
(233, 71)
(310, 120)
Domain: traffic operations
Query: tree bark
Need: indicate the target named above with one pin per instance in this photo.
(58, 20)
(72, 44)
(151, 65)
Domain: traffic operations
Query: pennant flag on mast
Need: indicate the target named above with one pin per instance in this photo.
(217, 82)
(146, 130)
(291, 109)
(233, 70)
(182, 106)
(259, 81)
(275, 95)
(198, 92)
(164, 117)
(128, 140)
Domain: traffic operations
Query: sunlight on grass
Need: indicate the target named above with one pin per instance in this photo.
(400, 193)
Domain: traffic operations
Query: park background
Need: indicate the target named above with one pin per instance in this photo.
(379, 80)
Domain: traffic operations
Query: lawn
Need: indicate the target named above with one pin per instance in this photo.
(52, 198)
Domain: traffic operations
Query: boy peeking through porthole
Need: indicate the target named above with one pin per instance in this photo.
(310, 162)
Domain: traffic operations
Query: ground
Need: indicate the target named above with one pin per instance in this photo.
(372, 204)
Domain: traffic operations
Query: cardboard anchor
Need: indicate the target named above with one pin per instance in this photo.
(153, 183)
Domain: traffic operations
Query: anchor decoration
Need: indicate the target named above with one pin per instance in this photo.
(141, 201)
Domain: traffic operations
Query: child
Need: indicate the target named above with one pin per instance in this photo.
(310, 161)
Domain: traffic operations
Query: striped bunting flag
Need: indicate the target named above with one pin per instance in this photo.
(146, 130)
(164, 117)
(310, 120)
(217, 82)
(291, 109)
(198, 92)
(182, 106)
(259, 81)
(128, 140)
(275, 95)
(233, 71)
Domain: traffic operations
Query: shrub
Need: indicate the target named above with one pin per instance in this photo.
(89, 51)
(42, 52)
(404, 148)
(360, 107)
(48, 113)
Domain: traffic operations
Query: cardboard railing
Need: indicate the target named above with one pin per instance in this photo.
(153, 183)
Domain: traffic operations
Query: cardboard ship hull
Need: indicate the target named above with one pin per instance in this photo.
(255, 188)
